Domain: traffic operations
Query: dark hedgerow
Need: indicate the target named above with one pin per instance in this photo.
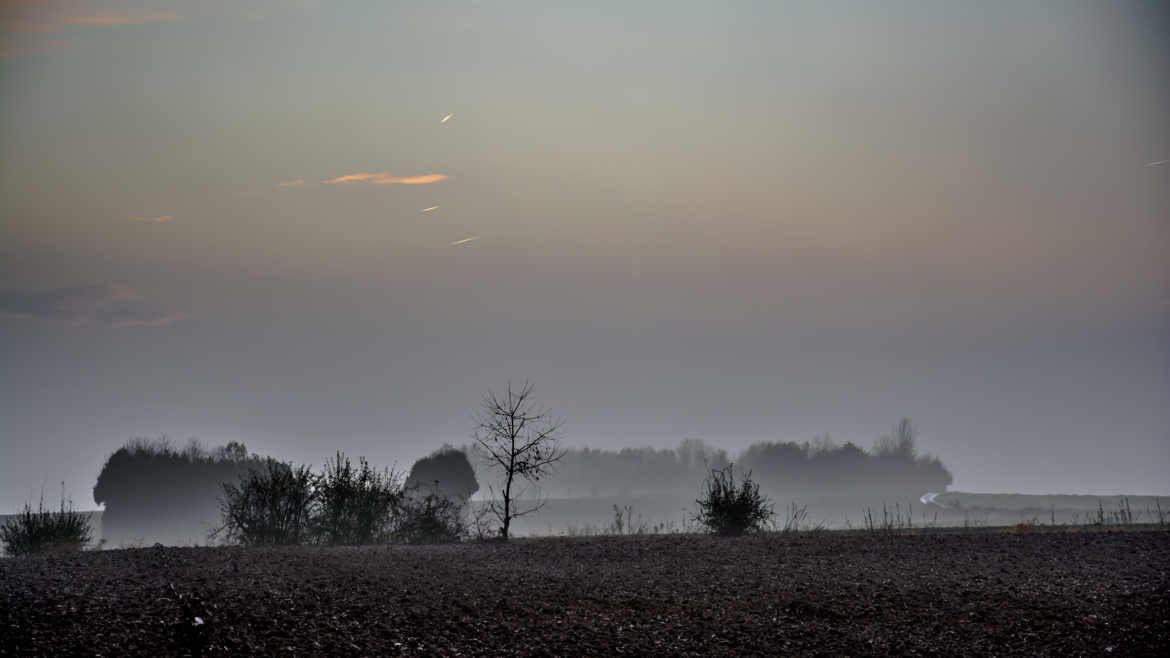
(45, 531)
(730, 510)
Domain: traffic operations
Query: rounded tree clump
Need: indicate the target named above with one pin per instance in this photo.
(448, 470)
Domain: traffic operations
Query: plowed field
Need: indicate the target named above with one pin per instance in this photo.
(1060, 593)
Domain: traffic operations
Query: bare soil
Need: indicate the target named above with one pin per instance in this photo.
(1050, 593)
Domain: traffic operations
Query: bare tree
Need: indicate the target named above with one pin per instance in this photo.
(521, 442)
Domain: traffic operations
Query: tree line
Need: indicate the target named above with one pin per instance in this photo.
(151, 489)
(893, 465)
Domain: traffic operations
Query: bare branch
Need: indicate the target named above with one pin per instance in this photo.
(522, 442)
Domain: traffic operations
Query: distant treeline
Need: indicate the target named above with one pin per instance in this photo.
(893, 465)
(152, 491)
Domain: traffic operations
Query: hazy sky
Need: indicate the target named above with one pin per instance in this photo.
(730, 221)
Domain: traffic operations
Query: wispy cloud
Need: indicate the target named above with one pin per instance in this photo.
(446, 118)
(123, 19)
(463, 241)
(31, 27)
(45, 17)
(431, 209)
(1157, 163)
(160, 219)
(113, 305)
(292, 183)
(386, 178)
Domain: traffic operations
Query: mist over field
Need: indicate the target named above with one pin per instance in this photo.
(540, 327)
(320, 227)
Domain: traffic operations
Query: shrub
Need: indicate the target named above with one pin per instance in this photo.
(429, 519)
(45, 531)
(355, 505)
(271, 505)
(278, 504)
(730, 509)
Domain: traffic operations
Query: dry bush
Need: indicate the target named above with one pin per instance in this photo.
(430, 519)
(729, 509)
(354, 505)
(45, 530)
(271, 505)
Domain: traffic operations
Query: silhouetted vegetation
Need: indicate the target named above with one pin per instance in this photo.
(446, 469)
(271, 505)
(433, 518)
(354, 505)
(729, 509)
(521, 443)
(592, 473)
(153, 491)
(892, 466)
(45, 530)
(344, 504)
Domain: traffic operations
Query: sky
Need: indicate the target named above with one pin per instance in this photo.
(321, 226)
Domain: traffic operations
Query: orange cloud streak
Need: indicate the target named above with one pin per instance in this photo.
(34, 19)
(292, 183)
(463, 241)
(160, 219)
(122, 19)
(385, 178)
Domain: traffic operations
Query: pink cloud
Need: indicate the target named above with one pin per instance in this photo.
(385, 178)
(26, 22)
(122, 19)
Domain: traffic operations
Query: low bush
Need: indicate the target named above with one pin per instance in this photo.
(271, 505)
(730, 509)
(45, 531)
(354, 505)
(279, 504)
(429, 519)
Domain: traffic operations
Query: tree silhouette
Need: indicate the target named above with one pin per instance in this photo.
(522, 444)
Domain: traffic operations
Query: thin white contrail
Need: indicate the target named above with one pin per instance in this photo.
(463, 241)
(444, 119)
(1157, 164)
(430, 209)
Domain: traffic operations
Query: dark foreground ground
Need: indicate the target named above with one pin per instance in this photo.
(1072, 593)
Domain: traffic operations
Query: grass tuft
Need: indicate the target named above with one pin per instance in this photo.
(45, 530)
